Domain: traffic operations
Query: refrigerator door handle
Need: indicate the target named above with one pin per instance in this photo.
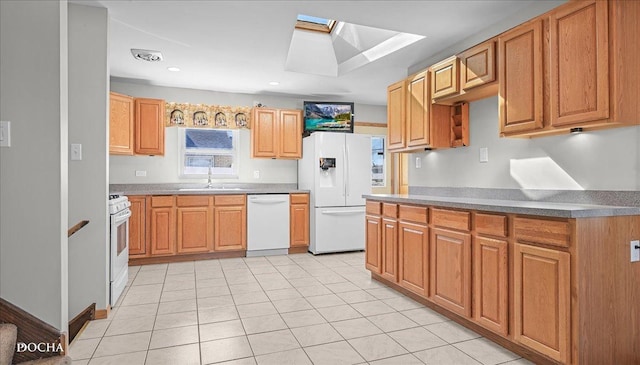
(347, 166)
(342, 212)
(344, 170)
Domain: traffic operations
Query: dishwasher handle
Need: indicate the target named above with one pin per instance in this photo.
(266, 201)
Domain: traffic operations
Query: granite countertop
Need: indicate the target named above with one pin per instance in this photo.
(201, 189)
(548, 209)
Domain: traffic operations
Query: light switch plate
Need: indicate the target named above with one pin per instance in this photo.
(5, 134)
(484, 154)
(418, 163)
(256, 174)
(635, 251)
(76, 152)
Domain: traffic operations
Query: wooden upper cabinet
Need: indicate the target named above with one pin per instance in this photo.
(579, 70)
(521, 78)
(149, 126)
(444, 79)
(276, 133)
(477, 65)
(120, 124)
(418, 110)
(290, 134)
(542, 300)
(137, 226)
(396, 115)
(264, 132)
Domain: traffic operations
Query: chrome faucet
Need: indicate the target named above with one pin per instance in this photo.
(209, 183)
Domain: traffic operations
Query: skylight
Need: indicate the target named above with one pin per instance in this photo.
(314, 23)
(334, 47)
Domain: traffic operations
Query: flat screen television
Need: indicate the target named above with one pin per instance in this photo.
(328, 116)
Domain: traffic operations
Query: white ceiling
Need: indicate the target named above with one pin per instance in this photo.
(241, 46)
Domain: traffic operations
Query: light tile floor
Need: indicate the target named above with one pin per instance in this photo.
(296, 309)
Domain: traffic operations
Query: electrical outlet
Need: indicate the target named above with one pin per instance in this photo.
(5, 134)
(141, 173)
(635, 250)
(76, 152)
(256, 174)
(484, 154)
(418, 163)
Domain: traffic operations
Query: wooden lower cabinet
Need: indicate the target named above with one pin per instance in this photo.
(163, 231)
(413, 243)
(170, 225)
(390, 249)
(231, 228)
(373, 249)
(299, 220)
(137, 226)
(195, 224)
(451, 270)
(490, 284)
(542, 300)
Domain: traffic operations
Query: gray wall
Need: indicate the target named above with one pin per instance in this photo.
(599, 160)
(537, 8)
(88, 180)
(165, 169)
(33, 171)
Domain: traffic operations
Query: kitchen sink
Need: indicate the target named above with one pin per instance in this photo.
(210, 189)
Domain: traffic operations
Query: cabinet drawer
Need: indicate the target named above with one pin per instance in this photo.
(192, 201)
(390, 210)
(451, 219)
(491, 224)
(229, 200)
(299, 198)
(162, 201)
(414, 214)
(374, 208)
(549, 232)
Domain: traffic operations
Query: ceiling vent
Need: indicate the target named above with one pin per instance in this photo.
(146, 55)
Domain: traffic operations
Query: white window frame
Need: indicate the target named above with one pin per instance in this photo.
(384, 163)
(234, 173)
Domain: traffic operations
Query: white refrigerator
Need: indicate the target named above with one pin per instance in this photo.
(336, 169)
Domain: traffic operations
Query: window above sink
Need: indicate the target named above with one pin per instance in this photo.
(204, 149)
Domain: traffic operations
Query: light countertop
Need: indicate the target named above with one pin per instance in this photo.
(549, 209)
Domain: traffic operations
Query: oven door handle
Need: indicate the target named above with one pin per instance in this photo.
(121, 218)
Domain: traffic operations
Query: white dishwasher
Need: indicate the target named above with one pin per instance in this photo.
(268, 225)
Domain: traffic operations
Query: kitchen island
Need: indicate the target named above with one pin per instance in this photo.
(551, 281)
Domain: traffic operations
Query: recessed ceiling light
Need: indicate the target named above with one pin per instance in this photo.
(173, 69)
(274, 83)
